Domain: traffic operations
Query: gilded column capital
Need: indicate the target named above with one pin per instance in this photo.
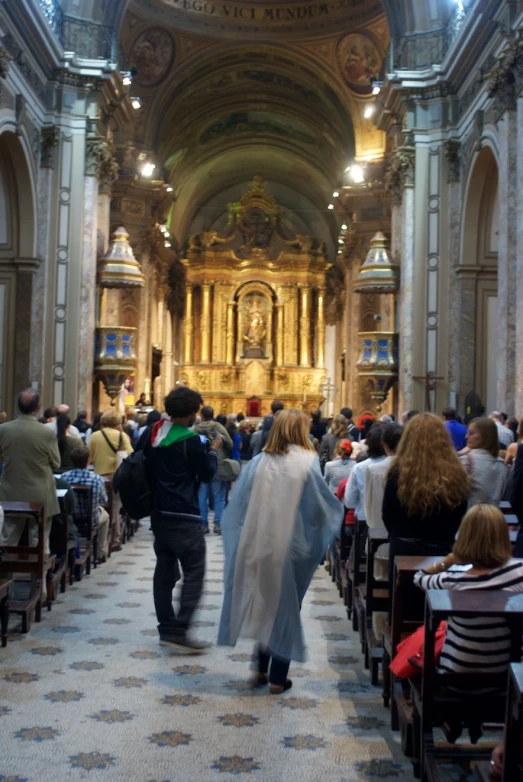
(5, 59)
(48, 145)
(93, 153)
(505, 79)
(401, 169)
(451, 150)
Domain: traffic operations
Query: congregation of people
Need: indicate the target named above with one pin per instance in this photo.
(287, 493)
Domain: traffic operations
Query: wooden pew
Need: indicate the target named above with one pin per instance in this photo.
(435, 700)
(27, 597)
(356, 574)
(399, 628)
(512, 743)
(376, 599)
(5, 587)
(63, 549)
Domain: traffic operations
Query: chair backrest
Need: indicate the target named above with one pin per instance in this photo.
(25, 509)
(513, 755)
(83, 515)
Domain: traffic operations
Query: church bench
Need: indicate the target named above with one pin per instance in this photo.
(5, 586)
(356, 574)
(88, 536)
(26, 599)
(376, 600)
(512, 743)
(400, 627)
(63, 549)
(435, 699)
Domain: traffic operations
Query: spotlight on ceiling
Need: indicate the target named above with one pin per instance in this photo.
(127, 78)
(148, 169)
(377, 86)
(335, 194)
(330, 206)
(368, 110)
(356, 174)
(167, 244)
(340, 241)
(168, 189)
(344, 227)
(136, 103)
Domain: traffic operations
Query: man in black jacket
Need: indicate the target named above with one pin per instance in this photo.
(177, 462)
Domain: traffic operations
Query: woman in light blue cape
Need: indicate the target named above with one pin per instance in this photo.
(280, 519)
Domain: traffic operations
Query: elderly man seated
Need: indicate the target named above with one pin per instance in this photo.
(81, 476)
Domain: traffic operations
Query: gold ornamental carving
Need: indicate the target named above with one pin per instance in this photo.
(255, 308)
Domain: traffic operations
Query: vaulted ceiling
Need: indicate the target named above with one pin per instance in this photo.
(230, 88)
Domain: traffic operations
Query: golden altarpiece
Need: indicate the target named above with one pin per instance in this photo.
(254, 324)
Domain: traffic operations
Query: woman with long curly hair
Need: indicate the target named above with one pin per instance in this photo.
(426, 491)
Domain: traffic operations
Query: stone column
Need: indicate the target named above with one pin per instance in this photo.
(87, 294)
(188, 326)
(518, 401)
(229, 356)
(305, 324)
(320, 330)
(205, 323)
(167, 360)
(279, 334)
(507, 258)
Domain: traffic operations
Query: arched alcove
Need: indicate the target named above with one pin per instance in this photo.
(17, 262)
(478, 280)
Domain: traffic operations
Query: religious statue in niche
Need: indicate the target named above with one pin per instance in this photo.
(255, 309)
(152, 55)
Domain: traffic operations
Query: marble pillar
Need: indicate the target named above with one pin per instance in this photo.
(279, 334)
(205, 323)
(40, 335)
(305, 324)
(320, 329)
(188, 325)
(167, 360)
(453, 307)
(507, 259)
(88, 295)
(518, 397)
(229, 348)
(406, 306)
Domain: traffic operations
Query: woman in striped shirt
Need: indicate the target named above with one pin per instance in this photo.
(481, 559)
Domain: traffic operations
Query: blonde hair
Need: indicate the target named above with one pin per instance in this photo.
(340, 427)
(290, 427)
(430, 474)
(111, 418)
(483, 539)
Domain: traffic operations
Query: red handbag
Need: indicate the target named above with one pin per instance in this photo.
(408, 661)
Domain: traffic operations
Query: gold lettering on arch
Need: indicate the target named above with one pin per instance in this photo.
(263, 13)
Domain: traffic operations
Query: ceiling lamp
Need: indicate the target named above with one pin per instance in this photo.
(344, 227)
(356, 173)
(369, 110)
(335, 194)
(136, 103)
(330, 206)
(377, 86)
(148, 169)
(169, 189)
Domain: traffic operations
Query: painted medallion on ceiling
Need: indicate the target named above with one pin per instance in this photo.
(152, 55)
(359, 61)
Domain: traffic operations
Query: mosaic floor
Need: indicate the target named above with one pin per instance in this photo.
(89, 693)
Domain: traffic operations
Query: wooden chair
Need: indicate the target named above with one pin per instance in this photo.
(30, 560)
(5, 587)
(435, 696)
(83, 518)
(376, 599)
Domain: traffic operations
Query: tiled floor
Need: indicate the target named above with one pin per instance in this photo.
(89, 693)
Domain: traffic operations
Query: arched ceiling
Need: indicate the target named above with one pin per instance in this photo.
(232, 89)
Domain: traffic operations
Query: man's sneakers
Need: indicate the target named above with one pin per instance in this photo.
(205, 529)
(182, 644)
(217, 529)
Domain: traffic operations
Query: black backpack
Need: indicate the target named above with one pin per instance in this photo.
(131, 482)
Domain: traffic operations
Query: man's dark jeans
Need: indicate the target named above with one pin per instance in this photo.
(177, 541)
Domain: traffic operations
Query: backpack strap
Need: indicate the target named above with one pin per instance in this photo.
(109, 443)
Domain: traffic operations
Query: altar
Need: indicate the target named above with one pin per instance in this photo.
(254, 321)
